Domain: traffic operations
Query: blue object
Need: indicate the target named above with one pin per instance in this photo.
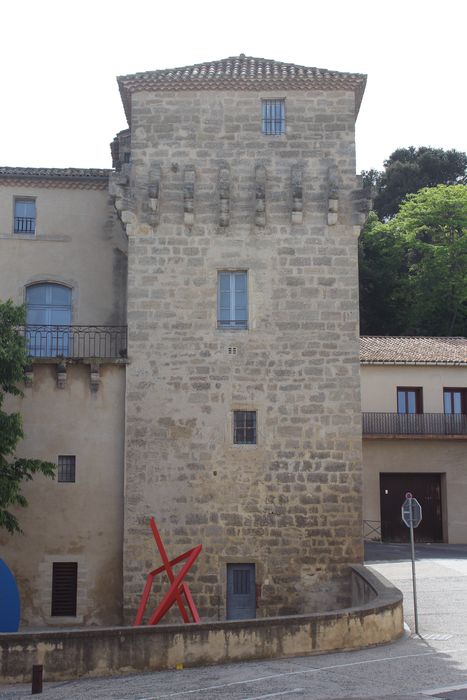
(9, 600)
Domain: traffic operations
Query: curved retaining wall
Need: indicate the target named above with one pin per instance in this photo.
(376, 617)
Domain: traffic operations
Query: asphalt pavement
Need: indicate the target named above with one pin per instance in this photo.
(432, 665)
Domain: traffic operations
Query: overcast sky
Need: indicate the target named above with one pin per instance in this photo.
(60, 105)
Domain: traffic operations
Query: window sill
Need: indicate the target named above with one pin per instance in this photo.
(32, 237)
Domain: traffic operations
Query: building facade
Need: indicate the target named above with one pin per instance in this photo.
(63, 255)
(237, 201)
(414, 394)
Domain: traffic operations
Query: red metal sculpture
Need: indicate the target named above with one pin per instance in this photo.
(178, 591)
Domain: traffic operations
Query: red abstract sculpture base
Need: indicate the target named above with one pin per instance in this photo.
(178, 592)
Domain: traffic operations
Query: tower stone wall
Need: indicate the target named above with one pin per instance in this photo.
(205, 192)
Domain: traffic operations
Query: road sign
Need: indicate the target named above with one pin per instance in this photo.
(412, 517)
(411, 512)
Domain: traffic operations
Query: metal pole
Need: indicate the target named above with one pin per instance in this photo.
(412, 544)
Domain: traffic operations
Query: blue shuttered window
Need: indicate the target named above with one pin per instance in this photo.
(48, 317)
(232, 309)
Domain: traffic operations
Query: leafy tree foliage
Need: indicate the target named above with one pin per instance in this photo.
(413, 268)
(383, 275)
(408, 170)
(13, 472)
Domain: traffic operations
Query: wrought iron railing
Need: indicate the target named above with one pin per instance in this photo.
(414, 424)
(78, 342)
(25, 224)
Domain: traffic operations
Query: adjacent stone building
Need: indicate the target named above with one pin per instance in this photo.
(236, 197)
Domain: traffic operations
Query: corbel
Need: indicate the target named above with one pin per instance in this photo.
(188, 195)
(361, 202)
(260, 196)
(61, 376)
(333, 197)
(297, 195)
(224, 197)
(153, 192)
(94, 376)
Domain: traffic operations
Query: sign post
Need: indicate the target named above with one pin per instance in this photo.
(412, 517)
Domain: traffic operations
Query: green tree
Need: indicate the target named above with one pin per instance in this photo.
(13, 472)
(413, 269)
(382, 277)
(408, 170)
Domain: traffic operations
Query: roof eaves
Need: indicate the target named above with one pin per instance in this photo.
(421, 363)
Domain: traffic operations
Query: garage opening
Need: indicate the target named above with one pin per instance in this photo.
(426, 488)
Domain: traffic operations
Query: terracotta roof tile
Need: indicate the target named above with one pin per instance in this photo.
(69, 178)
(241, 73)
(413, 350)
(52, 173)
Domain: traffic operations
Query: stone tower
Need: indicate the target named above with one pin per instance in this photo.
(236, 183)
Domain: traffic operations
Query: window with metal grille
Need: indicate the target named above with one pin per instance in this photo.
(25, 216)
(67, 468)
(232, 300)
(64, 589)
(273, 117)
(245, 427)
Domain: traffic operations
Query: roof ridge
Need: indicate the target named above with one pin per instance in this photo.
(239, 57)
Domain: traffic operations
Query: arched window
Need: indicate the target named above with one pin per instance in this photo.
(48, 310)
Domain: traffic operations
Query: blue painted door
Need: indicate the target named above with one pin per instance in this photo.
(241, 591)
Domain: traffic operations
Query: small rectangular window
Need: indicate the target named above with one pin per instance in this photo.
(273, 117)
(64, 589)
(232, 300)
(25, 216)
(67, 468)
(409, 399)
(245, 427)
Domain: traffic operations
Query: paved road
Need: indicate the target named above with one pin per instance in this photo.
(434, 665)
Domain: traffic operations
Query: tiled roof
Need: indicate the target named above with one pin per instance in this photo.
(87, 178)
(412, 350)
(68, 173)
(241, 73)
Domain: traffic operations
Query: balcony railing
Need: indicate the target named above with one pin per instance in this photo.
(414, 424)
(25, 224)
(76, 342)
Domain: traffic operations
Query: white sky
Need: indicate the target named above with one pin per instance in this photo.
(60, 105)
